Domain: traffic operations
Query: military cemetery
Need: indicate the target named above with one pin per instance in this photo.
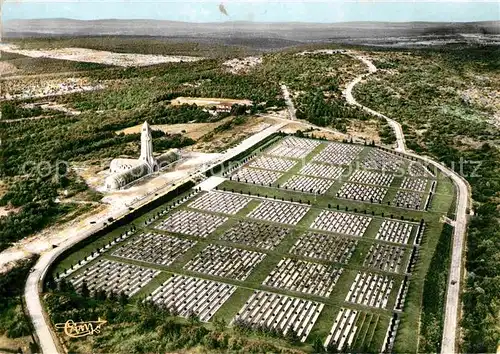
(304, 264)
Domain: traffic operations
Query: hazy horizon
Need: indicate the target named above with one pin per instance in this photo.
(338, 11)
(243, 21)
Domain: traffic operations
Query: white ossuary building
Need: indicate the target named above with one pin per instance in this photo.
(125, 171)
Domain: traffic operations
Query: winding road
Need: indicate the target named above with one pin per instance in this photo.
(448, 344)
(398, 130)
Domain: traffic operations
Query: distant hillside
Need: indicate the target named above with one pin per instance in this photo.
(276, 34)
(291, 31)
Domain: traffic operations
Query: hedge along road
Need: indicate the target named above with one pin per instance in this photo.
(448, 344)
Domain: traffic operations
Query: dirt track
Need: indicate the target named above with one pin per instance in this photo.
(98, 56)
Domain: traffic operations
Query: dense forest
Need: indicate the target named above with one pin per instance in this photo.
(428, 92)
(317, 79)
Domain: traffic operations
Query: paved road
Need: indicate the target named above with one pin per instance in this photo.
(46, 338)
(448, 344)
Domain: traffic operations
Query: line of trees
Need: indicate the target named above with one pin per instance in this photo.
(434, 295)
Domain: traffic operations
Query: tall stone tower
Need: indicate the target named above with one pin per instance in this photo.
(147, 148)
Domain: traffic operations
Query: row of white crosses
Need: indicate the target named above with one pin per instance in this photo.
(408, 199)
(414, 184)
(372, 177)
(281, 312)
(343, 330)
(191, 223)
(281, 212)
(154, 248)
(218, 202)
(370, 289)
(167, 209)
(416, 169)
(308, 184)
(256, 234)
(338, 154)
(395, 231)
(300, 143)
(272, 163)
(116, 277)
(326, 247)
(223, 261)
(302, 276)
(343, 223)
(322, 170)
(292, 147)
(267, 168)
(388, 258)
(288, 151)
(362, 192)
(256, 176)
(188, 295)
(381, 160)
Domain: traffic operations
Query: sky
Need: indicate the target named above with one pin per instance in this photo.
(257, 10)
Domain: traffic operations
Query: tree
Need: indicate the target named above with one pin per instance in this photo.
(332, 348)
(100, 295)
(318, 345)
(291, 336)
(123, 298)
(219, 324)
(85, 289)
(50, 283)
(64, 285)
(193, 317)
(112, 296)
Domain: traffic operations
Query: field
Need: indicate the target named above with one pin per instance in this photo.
(192, 130)
(204, 101)
(247, 241)
(86, 55)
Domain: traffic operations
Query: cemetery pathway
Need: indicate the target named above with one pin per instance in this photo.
(451, 320)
